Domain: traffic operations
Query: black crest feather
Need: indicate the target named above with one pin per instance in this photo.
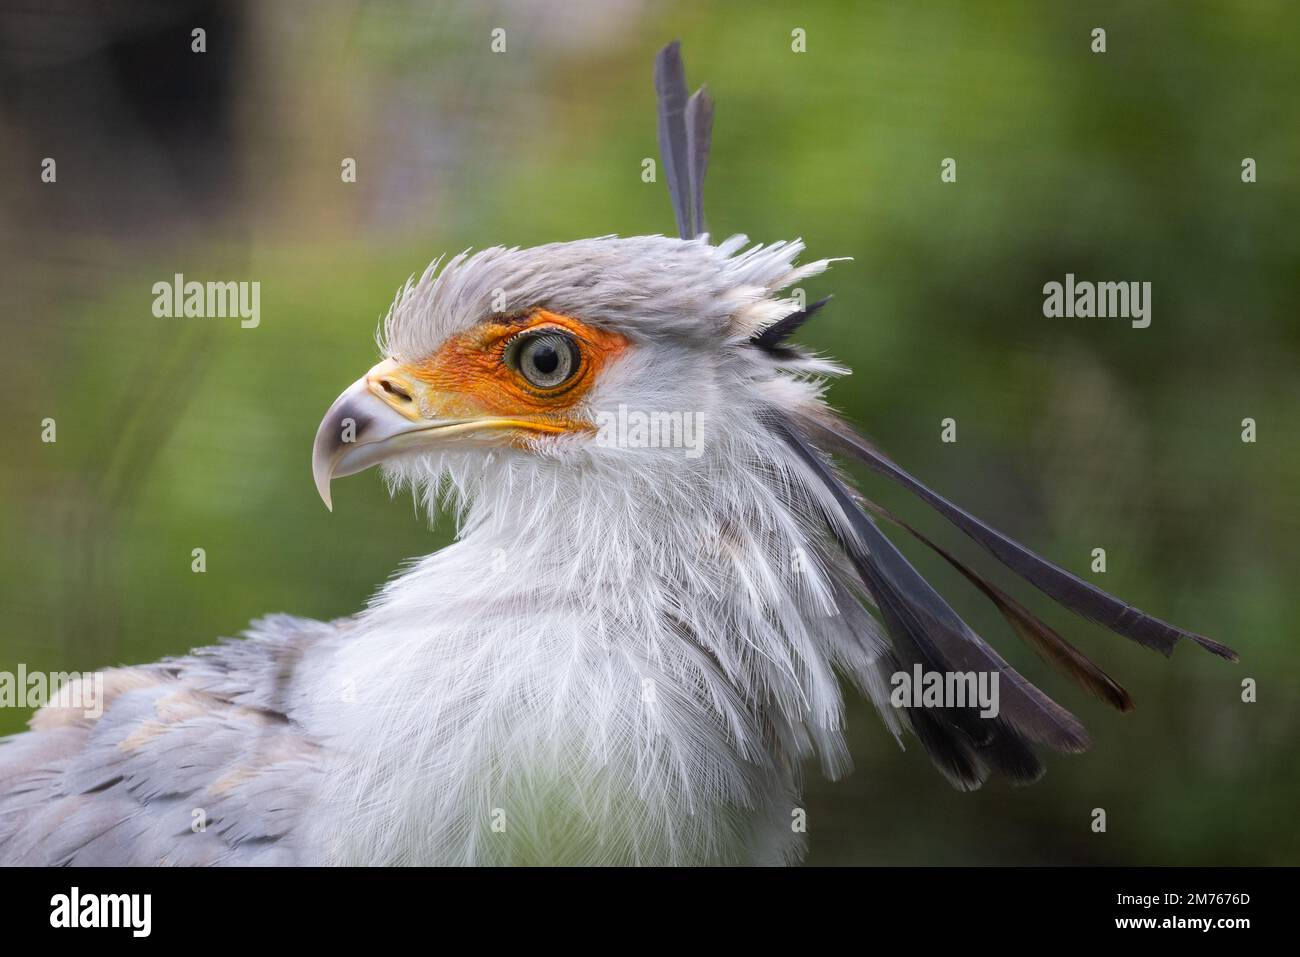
(1068, 589)
(924, 630)
(1035, 632)
(772, 339)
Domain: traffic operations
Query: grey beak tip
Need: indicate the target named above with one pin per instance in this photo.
(321, 476)
(321, 473)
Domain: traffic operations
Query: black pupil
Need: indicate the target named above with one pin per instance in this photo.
(546, 358)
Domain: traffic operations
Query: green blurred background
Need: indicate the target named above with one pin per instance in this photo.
(1072, 434)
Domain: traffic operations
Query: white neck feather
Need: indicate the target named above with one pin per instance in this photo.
(624, 660)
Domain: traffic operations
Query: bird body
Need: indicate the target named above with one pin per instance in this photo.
(619, 662)
(631, 649)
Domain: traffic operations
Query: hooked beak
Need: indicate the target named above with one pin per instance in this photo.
(387, 412)
(375, 418)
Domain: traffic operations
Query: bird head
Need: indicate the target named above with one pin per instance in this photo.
(531, 355)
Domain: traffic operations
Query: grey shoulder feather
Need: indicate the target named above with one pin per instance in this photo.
(192, 761)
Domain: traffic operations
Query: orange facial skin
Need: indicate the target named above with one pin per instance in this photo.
(470, 377)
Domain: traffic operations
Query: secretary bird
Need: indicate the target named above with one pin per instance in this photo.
(631, 648)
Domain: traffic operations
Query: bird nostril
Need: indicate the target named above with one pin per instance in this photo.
(392, 388)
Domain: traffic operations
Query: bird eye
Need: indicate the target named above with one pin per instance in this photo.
(547, 359)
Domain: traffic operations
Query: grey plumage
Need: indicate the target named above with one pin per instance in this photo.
(195, 760)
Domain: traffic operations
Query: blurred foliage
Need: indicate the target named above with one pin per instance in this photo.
(1073, 434)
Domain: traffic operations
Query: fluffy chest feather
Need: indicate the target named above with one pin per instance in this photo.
(613, 707)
